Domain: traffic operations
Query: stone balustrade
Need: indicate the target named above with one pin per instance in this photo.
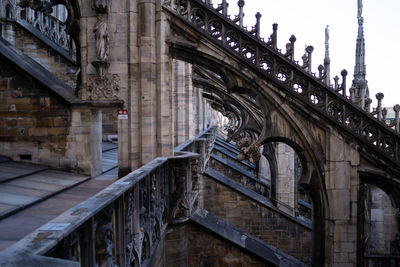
(123, 224)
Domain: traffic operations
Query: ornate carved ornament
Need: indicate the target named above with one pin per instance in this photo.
(105, 87)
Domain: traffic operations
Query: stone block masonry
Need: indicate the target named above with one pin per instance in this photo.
(271, 227)
(191, 245)
(34, 122)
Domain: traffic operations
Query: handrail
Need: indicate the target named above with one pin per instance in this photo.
(297, 80)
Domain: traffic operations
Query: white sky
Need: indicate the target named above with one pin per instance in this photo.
(307, 19)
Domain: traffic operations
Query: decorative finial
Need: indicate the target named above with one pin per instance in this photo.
(241, 14)
(272, 40)
(307, 62)
(396, 123)
(290, 48)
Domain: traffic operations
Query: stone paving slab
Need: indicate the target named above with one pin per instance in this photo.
(55, 177)
(108, 145)
(109, 160)
(27, 190)
(25, 183)
(21, 190)
(6, 208)
(11, 170)
(14, 227)
(16, 199)
(109, 175)
(34, 193)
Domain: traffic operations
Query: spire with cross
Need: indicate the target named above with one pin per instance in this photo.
(359, 82)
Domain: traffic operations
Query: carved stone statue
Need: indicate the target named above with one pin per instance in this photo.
(359, 9)
(102, 39)
(101, 6)
(327, 34)
(327, 41)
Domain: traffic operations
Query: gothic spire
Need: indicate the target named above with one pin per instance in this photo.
(359, 81)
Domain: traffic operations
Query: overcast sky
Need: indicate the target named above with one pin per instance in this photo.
(307, 19)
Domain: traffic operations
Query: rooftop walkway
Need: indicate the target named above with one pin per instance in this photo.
(35, 194)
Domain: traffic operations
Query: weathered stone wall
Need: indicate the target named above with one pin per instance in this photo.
(33, 121)
(381, 224)
(38, 126)
(190, 245)
(268, 225)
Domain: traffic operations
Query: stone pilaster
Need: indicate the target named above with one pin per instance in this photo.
(164, 86)
(189, 108)
(180, 102)
(84, 141)
(342, 182)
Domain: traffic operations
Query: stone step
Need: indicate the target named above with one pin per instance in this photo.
(233, 147)
(244, 240)
(235, 167)
(253, 195)
(232, 156)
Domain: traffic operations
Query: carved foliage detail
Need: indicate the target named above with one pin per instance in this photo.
(104, 88)
(104, 239)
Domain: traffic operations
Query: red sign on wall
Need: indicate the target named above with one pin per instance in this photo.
(122, 114)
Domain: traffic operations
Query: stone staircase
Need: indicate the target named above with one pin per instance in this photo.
(31, 42)
(237, 207)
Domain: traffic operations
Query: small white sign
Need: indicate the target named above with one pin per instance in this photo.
(122, 114)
